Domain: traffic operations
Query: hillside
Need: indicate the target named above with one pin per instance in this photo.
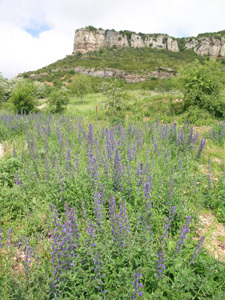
(134, 64)
(135, 57)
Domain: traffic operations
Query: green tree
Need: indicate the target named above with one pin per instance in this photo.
(3, 83)
(80, 86)
(58, 100)
(41, 89)
(202, 85)
(23, 96)
(116, 103)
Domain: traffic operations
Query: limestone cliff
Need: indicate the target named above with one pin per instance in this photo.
(210, 46)
(91, 39)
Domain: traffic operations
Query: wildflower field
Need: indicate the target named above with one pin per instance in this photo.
(106, 211)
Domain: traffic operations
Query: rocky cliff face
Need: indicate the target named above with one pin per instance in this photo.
(209, 46)
(87, 39)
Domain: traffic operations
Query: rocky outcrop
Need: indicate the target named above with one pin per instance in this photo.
(91, 39)
(159, 73)
(210, 46)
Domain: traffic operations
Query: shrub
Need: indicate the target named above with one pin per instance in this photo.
(202, 85)
(79, 54)
(23, 96)
(80, 86)
(2, 88)
(41, 90)
(58, 100)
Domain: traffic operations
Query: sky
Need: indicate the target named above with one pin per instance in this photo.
(35, 33)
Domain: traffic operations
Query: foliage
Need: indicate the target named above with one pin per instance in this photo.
(23, 96)
(91, 28)
(2, 88)
(166, 85)
(80, 85)
(42, 91)
(218, 34)
(58, 100)
(181, 44)
(105, 210)
(130, 60)
(202, 86)
(116, 99)
(217, 133)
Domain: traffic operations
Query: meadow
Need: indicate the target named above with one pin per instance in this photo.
(103, 207)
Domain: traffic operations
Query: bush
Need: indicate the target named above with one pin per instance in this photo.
(80, 86)
(202, 86)
(2, 88)
(23, 97)
(41, 90)
(58, 100)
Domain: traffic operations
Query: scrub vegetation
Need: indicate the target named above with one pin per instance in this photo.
(103, 198)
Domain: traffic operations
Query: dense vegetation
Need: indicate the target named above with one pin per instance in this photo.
(101, 198)
(91, 211)
(128, 59)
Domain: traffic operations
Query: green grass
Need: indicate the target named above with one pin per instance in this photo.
(131, 60)
(27, 210)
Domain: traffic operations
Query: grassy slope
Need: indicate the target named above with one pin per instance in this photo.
(130, 60)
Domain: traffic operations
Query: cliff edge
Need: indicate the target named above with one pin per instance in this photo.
(91, 39)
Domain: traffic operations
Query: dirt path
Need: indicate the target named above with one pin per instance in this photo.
(215, 235)
(42, 106)
(1, 151)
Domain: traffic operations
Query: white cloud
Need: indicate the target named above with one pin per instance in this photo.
(19, 51)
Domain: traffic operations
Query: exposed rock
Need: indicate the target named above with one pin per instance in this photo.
(37, 76)
(90, 40)
(159, 73)
(209, 46)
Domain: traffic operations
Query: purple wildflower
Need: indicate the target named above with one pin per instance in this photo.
(99, 275)
(98, 208)
(77, 162)
(119, 223)
(18, 181)
(139, 174)
(161, 254)
(9, 237)
(183, 234)
(201, 146)
(167, 225)
(137, 285)
(28, 256)
(147, 214)
(198, 249)
(68, 162)
(91, 230)
(65, 240)
(117, 176)
(161, 264)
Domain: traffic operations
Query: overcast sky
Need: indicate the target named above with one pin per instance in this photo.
(35, 33)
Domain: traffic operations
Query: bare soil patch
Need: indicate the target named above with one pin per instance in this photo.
(1, 151)
(42, 106)
(215, 235)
